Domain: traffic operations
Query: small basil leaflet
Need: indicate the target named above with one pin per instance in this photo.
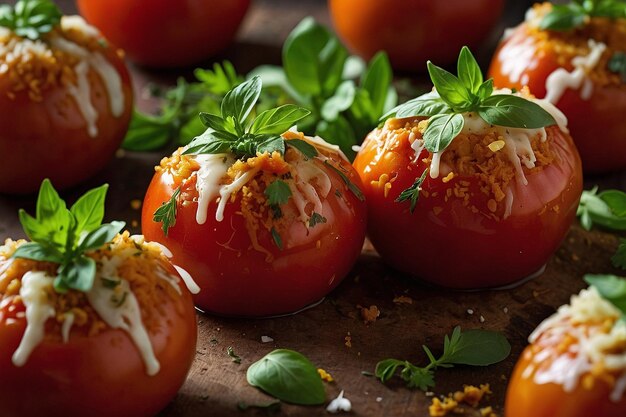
(610, 287)
(617, 64)
(63, 236)
(575, 14)
(30, 18)
(288, 376)
(467, 92)
(166, 214)
(607, 209)
(470, 347)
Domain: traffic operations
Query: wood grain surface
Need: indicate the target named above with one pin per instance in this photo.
(216, 385)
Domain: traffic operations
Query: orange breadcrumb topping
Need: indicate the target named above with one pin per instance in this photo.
(369, 314)
(325, 375)
(452, 404)
(32, 67)
(568, 44)
(140, 266)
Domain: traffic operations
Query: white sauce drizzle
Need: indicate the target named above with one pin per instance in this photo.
(68, 321)
(82, 94)
(561, 79)
(580, 320)
(188, 280)
(515, 53)
(227, 190)
(38, 311)
(212, 169)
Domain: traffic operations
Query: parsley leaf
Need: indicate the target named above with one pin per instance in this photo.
(30, 18)
(278, 241)
(277, 193)
(617, 64)
(471, 347)
(309, 151)
(316, 219)
(351, 186)
(64, 236)
(607, 209)
(413, 192)
(166, 214)
(575, 14)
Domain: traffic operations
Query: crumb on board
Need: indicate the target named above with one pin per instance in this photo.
(348, 340)
(369, 314)
(135, 204)
(266, 339)
(325, 375)
(403, 299)
(452, 404)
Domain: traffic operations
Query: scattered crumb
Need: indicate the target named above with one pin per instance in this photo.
(135, 204)
(266, 339)
(403, 299)
(451, 405)
(348, 340)
(575, 257)
(379, 399)
(482, 319)
(120, 153)
(470, 311)
(325, 375)
(369, 314)
(506, 310)
(134, 223)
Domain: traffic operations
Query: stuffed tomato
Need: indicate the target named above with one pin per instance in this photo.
(92, 322)
(470, 187)
(575, 57)
(65, 97)
(266, 223)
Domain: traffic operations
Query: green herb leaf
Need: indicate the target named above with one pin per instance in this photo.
(233, 356)
(469, 71)
(429, 104)
(288, 376)
(449, 88)
(309, 151)
(30, 18)
(611, 287)
(316, 219)
(339, 132)
(221, 79)
(99, 236)
(514, 111)
(441, 130)
(386, 369)
(340, 101)
(276, 121)
(412, 193)
(376, 81)
(278, 241)
(166, 214)
(239, 102)
(485, 90)
(78, 274)
(277, 193)
(225, 127)
(563, 17)
(619, 258)
(147, 132)
(89, 209)
(271, 144)
(607, 209)
(210, 142)
(38, 252)
(353, 188)
(617, 64)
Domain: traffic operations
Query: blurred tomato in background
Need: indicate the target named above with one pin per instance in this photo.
(167, 33)
(412, 31)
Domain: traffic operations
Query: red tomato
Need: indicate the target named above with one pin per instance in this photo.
(596, 124)
(413, 31)
(526, 398)
(99, 376)
(47, 137)
(236, 279)
(165, 33)
(463, 245)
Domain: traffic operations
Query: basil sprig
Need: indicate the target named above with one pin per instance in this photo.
(607, 209)
(465, 93)
(30, 18)
(470, 347)
(575, 14)
(610, 287)
(63, 236)
(617, 64)
(288, 376)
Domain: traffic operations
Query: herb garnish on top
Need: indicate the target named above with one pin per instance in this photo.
(576, 14)
(30, 18)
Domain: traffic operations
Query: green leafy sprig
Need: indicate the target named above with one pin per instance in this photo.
(575, 14)
(30, 18)
(470, 347)
(288, 376)
(166, 214)
(617, 64)
(607, 209)
(63, 236)
(612, 288)
(455, 95)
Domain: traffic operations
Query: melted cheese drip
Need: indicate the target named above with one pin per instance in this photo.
(188, 280)
(304, 192)
(592, 347)
(38, 311)
(67, 326)
(125, 316)
(81, 92)
(561, 79)
(212, 169)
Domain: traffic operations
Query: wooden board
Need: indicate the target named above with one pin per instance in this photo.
(216, 385)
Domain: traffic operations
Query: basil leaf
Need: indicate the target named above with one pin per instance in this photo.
(619, 258)
(38, 252)
(377, 81)
(611, 287)
(146, 132)
(341, 101)
(605, 209)
(89, 209)
(616, 200)
(308, 150)
(218, 124)
(275, 77)
(51, 209)
(98, 237)
(78, 275)
(441, 130)
(426, 105)
(485, 90)
(288, 376)
(513, 111)
(278, 120)
(278, 192)
(331, 58)
(239, 102)
(210, 142)
(272, 144)
(617, 64)
(339, 132)
(221, 79)
(563, 17)
(450, 88)
(477, 348)
(468, 70)
(31, 18)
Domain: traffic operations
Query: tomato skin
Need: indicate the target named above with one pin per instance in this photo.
(525, 398)
(237, 280)
(456, 247)
(596, 124)
(49, 139)
(101, 375)
(165, 33)
(413, 31)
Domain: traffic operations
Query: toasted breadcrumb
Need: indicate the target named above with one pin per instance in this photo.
(369, 314)
(453, 403)
(325, 375)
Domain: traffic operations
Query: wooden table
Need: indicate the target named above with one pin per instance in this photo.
(216, 385)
